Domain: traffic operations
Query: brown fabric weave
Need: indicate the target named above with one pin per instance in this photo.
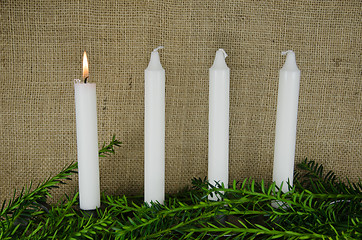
(41, 47)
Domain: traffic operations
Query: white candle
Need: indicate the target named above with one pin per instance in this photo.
(154, 130)
(286, 123)
(218, 152)
(87, 141)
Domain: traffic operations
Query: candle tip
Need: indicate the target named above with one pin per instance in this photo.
(219, 61)
(158, 48)
(290, 62)
(223, 51)
(155, 60)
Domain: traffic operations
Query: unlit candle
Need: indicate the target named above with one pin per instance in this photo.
(286, 122)
(154, 130)
(218, 152)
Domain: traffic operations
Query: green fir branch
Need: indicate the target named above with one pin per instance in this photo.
(318, 206)
(29, 203)
(25, 210)
(310, 175)
(108, 150)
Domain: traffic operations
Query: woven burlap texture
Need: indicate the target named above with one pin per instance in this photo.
(42, 43)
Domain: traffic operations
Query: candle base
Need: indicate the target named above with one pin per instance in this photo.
(280, 204)
(24, 221)
(224, 221)
(88, 213)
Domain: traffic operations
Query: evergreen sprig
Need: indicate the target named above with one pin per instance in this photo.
(27, 210)
(29, 204)
(310, 175)
(318, 206)
(107, 150)
(307, 215)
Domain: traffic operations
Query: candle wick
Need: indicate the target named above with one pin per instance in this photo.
(286, 52)
(158, 48)
(85, 79)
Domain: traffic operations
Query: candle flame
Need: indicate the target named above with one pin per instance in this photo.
(85, 66)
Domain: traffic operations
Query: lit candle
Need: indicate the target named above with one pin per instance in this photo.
(154, 130)
(286, 122)
(218, 152)
(87, 141)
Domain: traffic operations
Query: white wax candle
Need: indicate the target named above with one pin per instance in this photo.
(218, 152)
(87, 144)
(286, 123)
(154, 130)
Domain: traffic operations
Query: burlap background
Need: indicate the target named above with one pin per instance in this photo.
(41, 48)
